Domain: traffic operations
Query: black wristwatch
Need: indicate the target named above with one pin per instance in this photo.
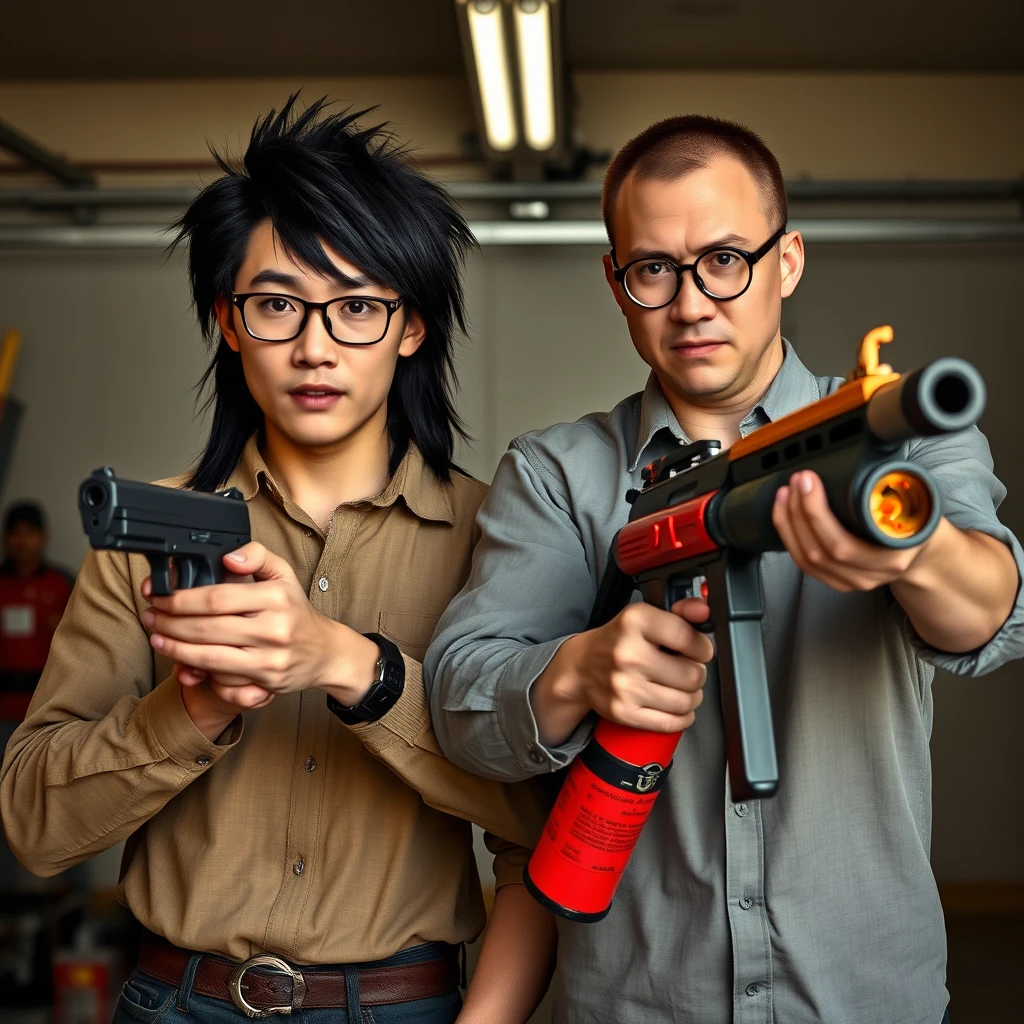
(384, 692)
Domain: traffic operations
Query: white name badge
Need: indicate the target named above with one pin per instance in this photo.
(18, 620)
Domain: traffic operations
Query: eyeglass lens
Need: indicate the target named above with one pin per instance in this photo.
(654, 282)
(355, 321)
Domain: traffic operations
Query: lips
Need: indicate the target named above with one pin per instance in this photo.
(315, 396)
(693, 349)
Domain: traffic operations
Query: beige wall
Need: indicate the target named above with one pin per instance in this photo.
(853, 125)
(111, 353)
(848, 125)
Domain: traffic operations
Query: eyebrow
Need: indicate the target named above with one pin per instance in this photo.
(736, 241)
(291, 281)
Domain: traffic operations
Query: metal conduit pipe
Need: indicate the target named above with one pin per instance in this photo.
(551, 232)
(511, 191)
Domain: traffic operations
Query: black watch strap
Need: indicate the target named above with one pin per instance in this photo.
(385, 691)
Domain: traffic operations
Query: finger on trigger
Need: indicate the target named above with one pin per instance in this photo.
(694, 610)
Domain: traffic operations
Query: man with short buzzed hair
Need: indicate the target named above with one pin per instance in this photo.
(818, 905)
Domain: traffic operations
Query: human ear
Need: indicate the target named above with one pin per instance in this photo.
(413, 334)
(791, 257)
(609, 276)
(223, 310)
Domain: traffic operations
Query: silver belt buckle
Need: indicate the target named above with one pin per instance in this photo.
(275, 963)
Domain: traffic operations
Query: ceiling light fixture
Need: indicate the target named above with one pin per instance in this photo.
(490, 55)
(536, 72)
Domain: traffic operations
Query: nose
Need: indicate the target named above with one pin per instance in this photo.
(315, 346)
(691, 305)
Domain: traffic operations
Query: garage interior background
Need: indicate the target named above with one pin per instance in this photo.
(899, 131)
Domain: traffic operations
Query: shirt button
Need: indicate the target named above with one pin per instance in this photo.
(202, 760)
(309, 533)
(299, 866)
(323, 584)
(746, 902)
(741, 809)
(310, 763)
(752, 990)
(536, 756)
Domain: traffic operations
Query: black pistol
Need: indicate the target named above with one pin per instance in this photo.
(188, 532)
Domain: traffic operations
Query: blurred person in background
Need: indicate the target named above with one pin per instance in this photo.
(818, 904)
(33, 595)
(294, 836)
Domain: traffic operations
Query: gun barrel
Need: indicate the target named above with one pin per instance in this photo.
(943, 397)
(108, 503)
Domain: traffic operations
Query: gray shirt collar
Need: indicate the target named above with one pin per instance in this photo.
(794, 386)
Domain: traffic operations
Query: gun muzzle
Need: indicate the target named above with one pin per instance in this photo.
(96, 500)
(941, 398)
(901, 505)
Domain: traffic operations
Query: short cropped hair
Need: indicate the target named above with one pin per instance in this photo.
(678, 145)
(27, 512)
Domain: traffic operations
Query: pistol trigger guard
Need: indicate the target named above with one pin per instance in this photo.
(160, 575)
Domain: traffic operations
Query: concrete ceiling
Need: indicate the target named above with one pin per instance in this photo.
(119, 39)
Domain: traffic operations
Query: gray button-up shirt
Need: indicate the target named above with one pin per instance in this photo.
(816, 905)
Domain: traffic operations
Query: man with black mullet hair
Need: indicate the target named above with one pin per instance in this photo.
(315, 851)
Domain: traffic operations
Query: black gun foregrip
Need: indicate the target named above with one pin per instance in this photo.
(184, 534)
(737, 607)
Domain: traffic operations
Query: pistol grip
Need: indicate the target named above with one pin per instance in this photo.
(160, 575)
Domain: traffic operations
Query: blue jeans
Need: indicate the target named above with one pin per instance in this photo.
(144, 1000)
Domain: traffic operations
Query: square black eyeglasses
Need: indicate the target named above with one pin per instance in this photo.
(350, 320)
(722, 273)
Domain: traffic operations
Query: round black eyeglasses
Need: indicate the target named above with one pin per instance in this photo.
(722, 273)
(350, 320)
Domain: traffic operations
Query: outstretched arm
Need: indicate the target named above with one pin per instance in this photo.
(957, 588)
(960, 589)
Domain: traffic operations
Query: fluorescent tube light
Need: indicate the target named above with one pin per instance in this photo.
(536, 71)
(487, 34)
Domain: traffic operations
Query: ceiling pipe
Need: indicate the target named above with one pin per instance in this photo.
(42, 159)
(44, 237)
(511, 191)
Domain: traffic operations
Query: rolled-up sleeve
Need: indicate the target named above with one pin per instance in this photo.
(962, 467)
(529, 589)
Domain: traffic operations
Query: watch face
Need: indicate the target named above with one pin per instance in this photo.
(385, 691)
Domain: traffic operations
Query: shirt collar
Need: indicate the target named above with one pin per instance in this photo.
(414, 482)
(793, 387)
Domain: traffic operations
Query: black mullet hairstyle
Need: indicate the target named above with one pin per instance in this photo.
(324, 179)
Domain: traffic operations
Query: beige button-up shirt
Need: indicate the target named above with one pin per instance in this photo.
(294, 833)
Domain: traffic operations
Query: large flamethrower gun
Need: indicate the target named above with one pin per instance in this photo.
(698, 528)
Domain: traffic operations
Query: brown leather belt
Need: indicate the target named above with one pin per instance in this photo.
(266, 984)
